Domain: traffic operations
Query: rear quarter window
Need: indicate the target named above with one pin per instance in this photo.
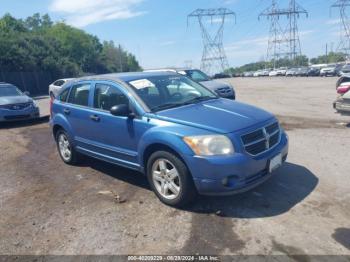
(79, 94)
(64, 95)
(59, 83)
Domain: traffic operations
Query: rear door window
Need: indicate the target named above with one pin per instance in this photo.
(79, 94)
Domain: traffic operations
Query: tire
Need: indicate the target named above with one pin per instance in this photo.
(187, 192)
(62, 136)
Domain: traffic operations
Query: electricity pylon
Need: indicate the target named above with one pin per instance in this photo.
(214, 58)
(284, 41)
(344, 44)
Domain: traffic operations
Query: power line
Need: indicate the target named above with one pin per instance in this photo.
(214, 56)
(284, 41)
(344, 44)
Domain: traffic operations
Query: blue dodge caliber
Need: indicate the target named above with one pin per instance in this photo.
(185, 138)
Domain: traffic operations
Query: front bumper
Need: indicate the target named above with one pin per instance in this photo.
(234, 174)
(7, 115)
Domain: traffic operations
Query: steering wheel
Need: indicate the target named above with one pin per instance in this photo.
(176, 96)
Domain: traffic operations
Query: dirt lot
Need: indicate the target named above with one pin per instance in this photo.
(51, 208)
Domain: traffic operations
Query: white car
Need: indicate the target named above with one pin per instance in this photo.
(273, 73)
(265, 72)
(282, 71)
(328, 71)
(56, 86)
(257, 73)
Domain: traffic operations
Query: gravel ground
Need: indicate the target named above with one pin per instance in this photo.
(96, 208)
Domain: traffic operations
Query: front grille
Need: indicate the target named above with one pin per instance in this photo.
(224, 90)
(262, 139)
(17, 106)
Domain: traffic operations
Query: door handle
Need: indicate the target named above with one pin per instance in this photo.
(66, 111)
(95, 118)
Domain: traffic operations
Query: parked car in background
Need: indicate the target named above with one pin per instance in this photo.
(265, 72)
(345, 70)
(342, 104)
(282, 71)
(16, 105)
(328, 71)
(257, 73)
(303, 71)
(221, 76)
(223, 89)
(56, 86)
(292, 72)
(182, 136)
(333, 70)
(273, 73)
(248, 74)
(313, 72)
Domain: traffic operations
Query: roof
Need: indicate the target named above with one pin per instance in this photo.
(5, 84)
(176, 69)
(126, 77)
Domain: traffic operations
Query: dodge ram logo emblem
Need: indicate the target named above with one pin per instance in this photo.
(267, 138)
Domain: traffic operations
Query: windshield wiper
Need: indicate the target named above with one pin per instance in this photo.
(200, 99)
(173, 105)
(165, 106)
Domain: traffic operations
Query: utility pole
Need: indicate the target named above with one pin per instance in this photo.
(344, 44)
(214, 56)
(284, 41)
(295, 10)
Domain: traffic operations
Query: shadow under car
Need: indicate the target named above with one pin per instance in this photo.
(288, 186)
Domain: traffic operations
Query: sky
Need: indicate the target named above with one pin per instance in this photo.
(157, 32)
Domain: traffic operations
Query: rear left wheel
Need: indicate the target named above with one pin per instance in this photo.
(65, 148)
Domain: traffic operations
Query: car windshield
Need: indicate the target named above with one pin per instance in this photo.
(9, 91)
(197, 75)
(164, 92)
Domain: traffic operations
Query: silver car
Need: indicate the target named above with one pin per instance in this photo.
(342, 104)
(15, 105)
(223, 89)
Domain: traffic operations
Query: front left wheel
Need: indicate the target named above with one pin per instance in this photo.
(170, 179)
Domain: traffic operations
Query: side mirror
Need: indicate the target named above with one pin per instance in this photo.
(26, 93)
(121, 110)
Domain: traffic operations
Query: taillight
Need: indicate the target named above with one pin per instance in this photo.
(343, 89)
(51, 103)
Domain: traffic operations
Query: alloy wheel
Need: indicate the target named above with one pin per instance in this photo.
(64, 146)
(166, 179)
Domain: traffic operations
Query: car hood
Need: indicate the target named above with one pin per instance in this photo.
(8, 100)
(213, 85)
(219, 115)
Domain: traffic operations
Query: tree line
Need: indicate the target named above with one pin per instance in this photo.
(332, 57)
(38, 44)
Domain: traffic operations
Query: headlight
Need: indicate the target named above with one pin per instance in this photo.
(211, 145)
(34, 104)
